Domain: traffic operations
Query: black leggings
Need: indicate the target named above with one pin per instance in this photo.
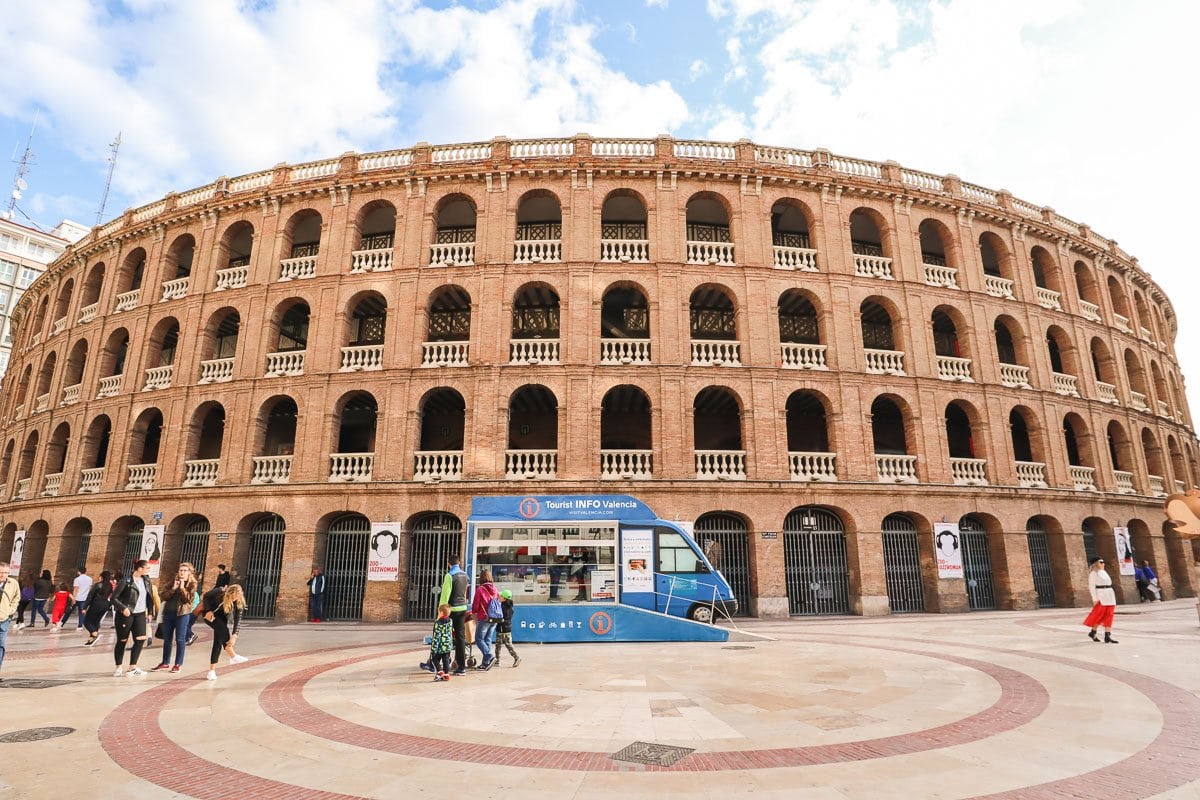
(221, 638)
(135, 624)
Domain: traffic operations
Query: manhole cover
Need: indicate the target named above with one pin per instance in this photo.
(659, 755)
(31, 683)
(738, 647)
(34, 734)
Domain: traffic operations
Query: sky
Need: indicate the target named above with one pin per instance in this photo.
(1086, 106)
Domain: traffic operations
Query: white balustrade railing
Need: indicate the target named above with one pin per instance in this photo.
(872, 267)
(812, 466)
(1090, 310)
(1015, 375)
(451, 254)
(58, 326)
(109, 386)
(635, 251)
(200, 472)
(291, 269)
(288, 363)
(175, 289)
(22, 489)
(618, 148)
(719, 253)
(1026, 208)
(158, 377)
(1047, 298)
(313, 170)
(141, 476)
(1122, 323)
(41, 402)
(88, 313)
(371, 260)
(90, 480)
(446, 154)
(885, 362)
(351, 467)
(724, 465)
(1138, 401)
(1157, 487)
(18, 411)
(71, 394)
(922, 180)
(1031, 474)
(1107, 393)
(1163, 409)
(856, 167)
(218, 370)
(245, 183)
(1147, 336)
(1123, 481)
(232, 278)
(627, 464)
(624, 351)
(1180, 487)
(52, 485)
(195, 196)
(800, 258)
(969, 471)
(1083, 478)
(390, 159)
(783, 155)
(998, 287)
(938, 275)
(531, 464)
(533, 351)
(445, 354)
(361, 357)
(541, 148)
(35, 341)
(716, 353)
(713, 150)
(802, 356)
(895, 469)
(1065, 384)
(951, 368)
(146, 212)
(437, 465)
(126, 301)
(537, 251)
(271, 469)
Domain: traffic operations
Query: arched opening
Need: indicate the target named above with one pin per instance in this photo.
(1152, 452)
(1027, 447)
(180, 256)
(1045, 271)
(129, 279)
(902, 564)
(1144, 320)
(1062, 365)
(625, 434)
(449, 328)
(1080, 458)
(275, 435)
(205, 437)
(56, 458)
(974, 547)
(95, 454)
(347, 548)
(966, 465)
(1105, 370)
(220, 346)
(1161, 395)
(1137, 381)
(63, 304)
(236, 246)
(1120, 304)
(1089, 291)
(713, 323)
(76, 541)
(717, 434)
(454, 237)
(433, 538)
(800, 331)
(815, 565)
(1122, 457)
(538, 237)
(945, 335)
(866, 235)
(263, 560)
(124, 544)
(23, 388)
(937, 250)
(532, 433)
(707, 233)
(302, 235)
(355, 419)
(997, 265)
(443, 431)
(45, 377)
(791, 239)
(145, 439)
(879, 340)
(6, 463)
(890, 441)
(725, 540)
(624, 326)
(1046, 558)
(1178, 468)
(25, 460)
(535, 321)
(376, 226)
(73, 371)
(90, 293)
(112, 359)
(366, 325)
(810, 457)
(164, 341)
(39, 321)
(623, 232)
(291, 320)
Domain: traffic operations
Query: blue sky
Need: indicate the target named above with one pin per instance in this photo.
(1082, 105)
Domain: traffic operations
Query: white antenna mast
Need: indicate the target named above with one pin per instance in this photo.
(23, 164)
(112, 165)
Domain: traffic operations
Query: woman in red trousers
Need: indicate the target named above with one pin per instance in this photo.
(1105, 600)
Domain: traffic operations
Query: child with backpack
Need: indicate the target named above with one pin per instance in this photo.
(440, 645)
(504, 631)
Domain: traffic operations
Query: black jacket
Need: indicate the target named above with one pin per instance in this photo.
(506, 624)
(124, 597)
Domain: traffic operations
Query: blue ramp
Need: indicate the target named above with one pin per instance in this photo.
(607, 622)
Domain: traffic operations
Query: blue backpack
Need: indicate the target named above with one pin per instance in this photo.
(495, 611)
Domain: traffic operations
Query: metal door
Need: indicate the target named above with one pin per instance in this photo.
(85, 544)
(263, 566)
(726, 543)
(433, 539)
(1039, 561)
(195, 546)
(1089, 543)
(902, 565)
(133, 549)
(814, 563)
(977, 564)
(346, 547)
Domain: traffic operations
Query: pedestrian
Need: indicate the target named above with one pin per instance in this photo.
(26, 600)
(81, 588)
(1105, 599)
(61, 607)
(10, 599)
(1147, 583)
(43, 590)
(440, 645)
(504, 631)
(455, 586)
(134, 600)
(316, 595)
(488, 614)
(99, 601)
(222, 609)
(222, 576)
(179, 601)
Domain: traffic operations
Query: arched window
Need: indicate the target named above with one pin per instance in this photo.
(95, 447)
(623, 233)
(791, 239)
(90, 294)
(25, 463)
(810, 457)
(1153, 453)
(1137, 381)
(443, 431)
(717, 434)
(1121, 456)
(800, 332)
(968, 467)
(890, 439)
(129, 279)
(997, 265)
(1045, 270)
(220, 346)
(707, 233)
(377, 226)
(1089, 291)
(1080, 458)
(871, 256)
(73, 371)
(1105, 370)
(953, 361)
(532, 433)
(538, 236)
(535, 325)
(145, 440)
(625, 434)
(938, 255)
(454, 238)
(301, 244)
(624, 326)
(234, 256)
(366, 325)
(177, 270)
(356, 416)
(713, 327)
(879, 340)
(275, 435)
(63, 305)
(205, 437)
(1116, 295)
(164, 341)
(1027, 447)
(45, 378)
(293, 328)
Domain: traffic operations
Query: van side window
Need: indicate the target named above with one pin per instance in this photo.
(675, 554)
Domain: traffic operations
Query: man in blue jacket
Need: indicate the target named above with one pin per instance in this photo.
(455, 588)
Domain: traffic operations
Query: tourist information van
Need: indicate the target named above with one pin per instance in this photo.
(596, 568)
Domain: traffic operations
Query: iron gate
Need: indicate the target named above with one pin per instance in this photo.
(262, 567)
(433, 539)
(195, 546)
(814, 563)
(133, 549)
(977, 564)
(85, 544)
(726, 543)
(346, 546)
(1039, 561)
(1089, 543)
(902, 565)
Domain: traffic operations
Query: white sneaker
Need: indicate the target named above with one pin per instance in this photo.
(212, 675)
(55, 628)
(136, 671)
(239, 660)
(119, 672)
(20, 626)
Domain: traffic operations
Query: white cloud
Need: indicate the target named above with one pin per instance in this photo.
(697, 68)
(656, 3)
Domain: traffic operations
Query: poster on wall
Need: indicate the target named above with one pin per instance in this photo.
(383, 561)
(152, 541)
(1124, 550)
(946, 545)
(637, 554)
(18, 552)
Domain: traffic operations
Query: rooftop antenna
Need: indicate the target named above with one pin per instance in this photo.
(113, 147)
(23, 163)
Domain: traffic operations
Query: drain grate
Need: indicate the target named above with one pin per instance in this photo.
(738, 647)
(31, 683)
(34, 735)
(659, 755)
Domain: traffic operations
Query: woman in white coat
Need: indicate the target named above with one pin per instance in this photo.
(1105, 600)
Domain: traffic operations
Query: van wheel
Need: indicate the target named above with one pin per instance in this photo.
(701, 613)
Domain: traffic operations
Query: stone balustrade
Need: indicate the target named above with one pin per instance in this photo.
(361, 357)
(18, 411)
(998, 287)
(453, 153)
(175, 289)
(1031, 474)
(725, 465)
(58, 326)
(1138, 401)
(969, 471)
(1090, 311)
(1123, 481)
(71, 394)
(158, 377)
(626, 464)
(126, 301)
(141, 476)
(217, 370)
(1147, 336)
(1049, 299)
(445, 354)
(884, 362)
(291, 269)
(794, 355)
(88, 313)
(533, 351)
(41, 402)
(271, 469)
(1180, 487)
(716, 151)
(634, 251)
(1163, 409)
(804, 466)
(1065, 384)
(437, 465)
(537, 251)
(351, 467)
(1015, 375)
(1107, 393)
(530, 464)
(716, 353)
(452, 254)
(951, 368)
(232, 278)
(1122, 323)
(895, 468)
(541, 148)
(200, 472)
(90, 480)
(1157, 486)
(288, 363)
(371, 260)
(873, 267)
(798, 258)
(52, 485)
(718, 253)
(1083, 478)
(21, 491)
(624, 351)
(623, 148)
(939, 275)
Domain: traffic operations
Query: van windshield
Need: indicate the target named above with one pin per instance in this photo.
(675, 554)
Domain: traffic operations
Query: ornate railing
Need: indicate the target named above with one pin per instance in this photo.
(1083, 478)
(291, 269)
(627, 464)
(537, 251)
(636, 251)
(1122, 323)
(1065, 384)
(812, 466)
(437, 465)
(288, 363)
(951, 368)
(445, 354)
(88, 313)
(531, 464)
(719, 253)
(1048, 299)
(717, 151)
(885, 362)
(1031, 474)
(623, 148)
(895, 468)
(969, 471)
(141, 476)
(1107, 393)
(158, 377)
(175, 289)
(799, 258)
(71, 394)
(716, 353)
(533, 351)
(351, 467)
(22, 489)
(1015, 375)
(1157, 486)
(371, 260)
(52, 485)
(1090, 310)
(872, 267)
(943, 276)
(1138, 401)
(722, 465)
(541, 148)
(624, 351)
(448, 154)
(200, 472)
(271, 469)
(998, 287)
(109, 386)
(59, 325)
(90, 480)
(452, 254)
(41, 402)
(232, 278)
(1123, 481)
(361, 357)
(802, 356)
(124, 302)
(218, 370)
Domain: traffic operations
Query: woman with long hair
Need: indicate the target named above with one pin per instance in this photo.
(178, 604)
(223, 608)
(99, 601)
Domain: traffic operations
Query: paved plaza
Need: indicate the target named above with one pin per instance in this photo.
(997, 704)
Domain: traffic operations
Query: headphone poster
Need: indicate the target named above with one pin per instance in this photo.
(383, 560)
(945, 545)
